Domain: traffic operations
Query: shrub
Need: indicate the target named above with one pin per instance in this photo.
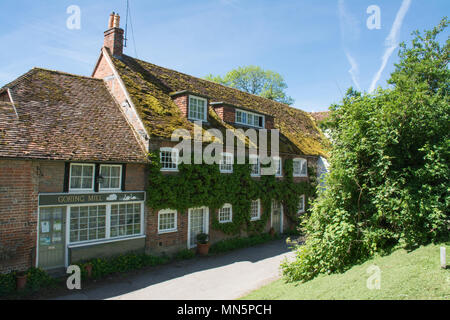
(7, 284)
(185, 254)
(237, 243)
(102, 267)
(38, 279)
(388, 181)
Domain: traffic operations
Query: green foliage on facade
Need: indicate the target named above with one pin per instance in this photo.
(388, 185)
(198, 185)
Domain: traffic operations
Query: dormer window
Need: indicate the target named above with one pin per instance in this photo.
(198, 108)
(249, 119)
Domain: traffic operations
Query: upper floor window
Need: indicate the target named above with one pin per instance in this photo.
(169, 159)
(301, 205)
(249, 119)
(167, 221)
(81, 177)
(226, 213)
(255, 210)
(255, 165)
(110, 177)
(226, 163)
(278, 166)
(300, 167)
(197, 108)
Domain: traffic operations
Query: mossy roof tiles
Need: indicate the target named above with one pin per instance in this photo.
(65, 117)
(151, 87)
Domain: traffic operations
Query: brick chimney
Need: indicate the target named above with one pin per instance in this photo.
(114, 36)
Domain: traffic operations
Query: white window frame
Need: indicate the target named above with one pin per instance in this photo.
(279, 160)
(189, 108)
(303, 162)
(221, 163)
(93, 177)
(302, 200)
(168, 211)
(120, 177)
(226, 206)
(254, 156)
(174, 151)
(247, 113)
(259, 211)
(108, 237)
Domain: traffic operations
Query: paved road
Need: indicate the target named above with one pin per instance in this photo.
(223, 277)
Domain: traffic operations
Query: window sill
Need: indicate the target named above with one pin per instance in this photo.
(255, 219)
(166, 232)
(93, 243)
(169, 170)
(223, 222)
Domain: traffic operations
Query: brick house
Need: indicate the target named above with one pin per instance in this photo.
(158, 100)
(66, 150)
(73, 158)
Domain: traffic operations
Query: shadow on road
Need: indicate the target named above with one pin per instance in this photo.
(122, 284)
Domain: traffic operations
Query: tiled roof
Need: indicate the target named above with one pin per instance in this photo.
(65, 117)
(150, 87)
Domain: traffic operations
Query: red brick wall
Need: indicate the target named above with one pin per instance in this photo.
(102, 71)
(18, 213)
(114, 41)
(182, 103)
(168, 243)
(269, 123)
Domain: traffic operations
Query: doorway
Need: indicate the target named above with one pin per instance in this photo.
(198, 222)
(277, 216)
(51, 237)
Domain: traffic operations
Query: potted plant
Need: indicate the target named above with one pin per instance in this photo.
(202, 244)
(21, 280)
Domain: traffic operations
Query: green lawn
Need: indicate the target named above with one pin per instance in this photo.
(413, 275)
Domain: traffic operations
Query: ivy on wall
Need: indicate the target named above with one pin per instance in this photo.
(198, 185)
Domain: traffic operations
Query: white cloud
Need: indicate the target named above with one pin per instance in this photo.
(350, 31)
(391, 41)
(354, 71)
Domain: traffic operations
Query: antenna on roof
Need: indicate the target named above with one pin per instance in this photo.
(126, 25)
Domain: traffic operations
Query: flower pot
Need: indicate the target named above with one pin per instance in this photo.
(88, 268)
(21, 281)
(203, 249)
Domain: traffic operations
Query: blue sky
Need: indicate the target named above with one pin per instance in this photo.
(320, 47)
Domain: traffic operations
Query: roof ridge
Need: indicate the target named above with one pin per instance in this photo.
(34, 70)
(66, 73)
(218, 84)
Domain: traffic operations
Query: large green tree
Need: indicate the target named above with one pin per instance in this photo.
(389, 181)
(257, 81)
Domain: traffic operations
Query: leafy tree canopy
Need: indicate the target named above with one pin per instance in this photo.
(389, 181)
(257, 81)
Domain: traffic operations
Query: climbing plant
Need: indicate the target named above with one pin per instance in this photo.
(198, 185)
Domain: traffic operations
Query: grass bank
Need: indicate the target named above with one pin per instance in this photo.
(404, 275)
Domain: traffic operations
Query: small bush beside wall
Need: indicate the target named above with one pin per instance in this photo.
(237, 243)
